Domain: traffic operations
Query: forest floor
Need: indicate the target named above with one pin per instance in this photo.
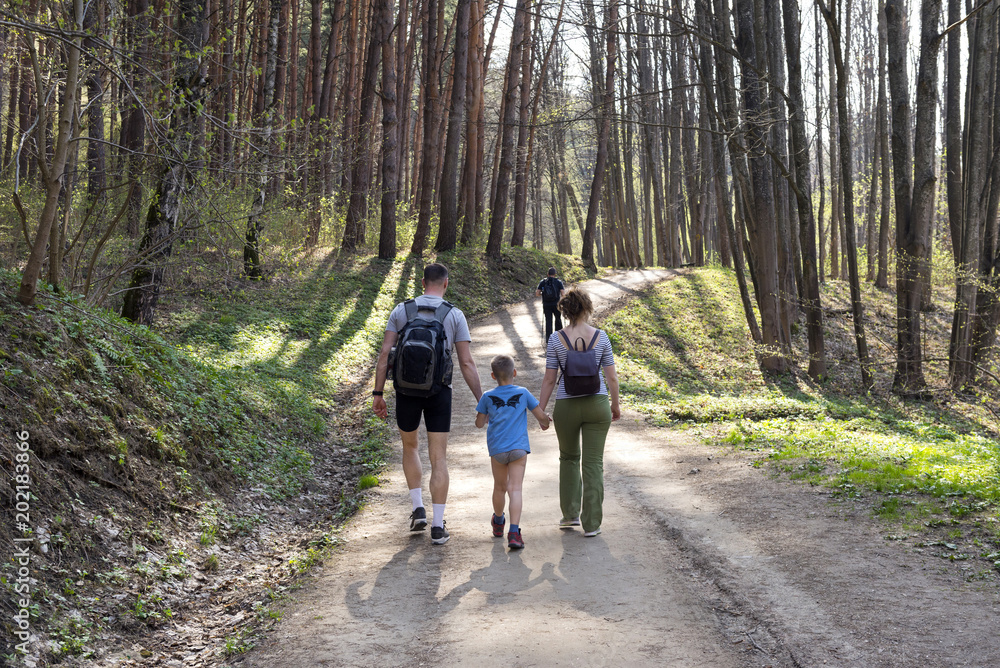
(705, 559)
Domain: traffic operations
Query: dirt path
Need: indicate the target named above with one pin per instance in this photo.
(719, 567)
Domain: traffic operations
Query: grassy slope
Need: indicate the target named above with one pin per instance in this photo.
(685, 361)
(232, 402)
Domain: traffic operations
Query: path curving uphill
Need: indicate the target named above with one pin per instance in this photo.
(703, 561)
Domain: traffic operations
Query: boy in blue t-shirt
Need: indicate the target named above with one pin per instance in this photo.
(507, 440)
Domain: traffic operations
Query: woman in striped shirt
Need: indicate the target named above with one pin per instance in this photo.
(581, 467)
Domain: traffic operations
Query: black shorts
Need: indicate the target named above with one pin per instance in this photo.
(436, 410)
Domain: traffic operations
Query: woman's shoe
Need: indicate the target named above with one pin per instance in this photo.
(591, 534)
(569, 523)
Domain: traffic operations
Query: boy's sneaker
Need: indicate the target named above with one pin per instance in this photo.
(439, 535)
(418, 519)
(497, 525)
(514, 540)
(591, 534)
(569, 523)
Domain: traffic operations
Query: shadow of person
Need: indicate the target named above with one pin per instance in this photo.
(584, 563)
(407, 587)
(502, 579)
(409, 581)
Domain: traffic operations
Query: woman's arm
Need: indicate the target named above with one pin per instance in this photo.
(548, 384)
(611, 380)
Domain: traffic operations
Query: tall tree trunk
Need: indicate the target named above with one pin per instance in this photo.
(521, 156)
(819, 150)
(730, 124)
(168, 200)
(390, 131)
(803, 181)
(448, 230)
(255, 223)
(133, 129)
(95, 109)
(498, 210)
(761, 217)
(429, 83)
(857, 306)
(909, 375)
(882, 130)
(978, 151)
(607, 110)
(361, 179)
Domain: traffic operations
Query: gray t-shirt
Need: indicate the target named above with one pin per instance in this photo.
(455, 326)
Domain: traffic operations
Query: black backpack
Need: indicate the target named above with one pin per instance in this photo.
(550, 295)
(420, 365)
(581, 375)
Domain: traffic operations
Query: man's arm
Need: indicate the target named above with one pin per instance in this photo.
(468, 365)
(381, 370)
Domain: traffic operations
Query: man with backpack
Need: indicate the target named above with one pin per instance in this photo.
(416, 354)
(551, 290)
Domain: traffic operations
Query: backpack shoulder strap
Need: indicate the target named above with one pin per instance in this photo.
(569, 346)
(594, 340)
(411, 309)
(442, 311)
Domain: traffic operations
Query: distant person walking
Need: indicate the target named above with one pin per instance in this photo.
(505, 409)
(419, 339)
(582, 409)
(551, 290)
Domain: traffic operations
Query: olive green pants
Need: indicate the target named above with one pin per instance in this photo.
(581, 469)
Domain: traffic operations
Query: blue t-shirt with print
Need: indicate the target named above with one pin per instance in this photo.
(507, 407)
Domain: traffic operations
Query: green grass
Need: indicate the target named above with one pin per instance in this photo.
(685, 358)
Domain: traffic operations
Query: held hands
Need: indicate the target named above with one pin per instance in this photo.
(548, 420)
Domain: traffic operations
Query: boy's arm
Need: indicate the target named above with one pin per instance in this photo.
(540, 415)
(481, 420)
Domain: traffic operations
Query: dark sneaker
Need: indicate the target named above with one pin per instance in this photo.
(418, 519)
(439, 535)
(514, 540)
(498, 525)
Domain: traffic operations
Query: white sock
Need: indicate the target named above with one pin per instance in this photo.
(417, 498)
(438, 520)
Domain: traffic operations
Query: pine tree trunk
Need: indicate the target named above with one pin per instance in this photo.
(448, 229)
(498, 211)
(606, 111)
(390, 131)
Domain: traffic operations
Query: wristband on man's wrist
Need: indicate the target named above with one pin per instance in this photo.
(377, 393)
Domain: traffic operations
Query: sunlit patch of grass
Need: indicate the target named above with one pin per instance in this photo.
(882, 456)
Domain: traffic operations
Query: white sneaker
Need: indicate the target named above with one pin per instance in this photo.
(569, 523)
(591, 534)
